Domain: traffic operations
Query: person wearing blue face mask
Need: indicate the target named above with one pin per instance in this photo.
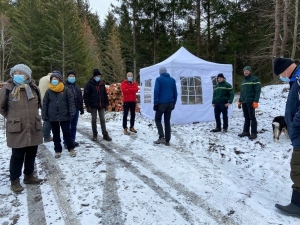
(129, 89)
(19, 105)
(76, 91)
(96, 101)
(287, 70)
(59, 109)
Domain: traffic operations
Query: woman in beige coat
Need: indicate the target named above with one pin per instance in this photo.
(19, 104)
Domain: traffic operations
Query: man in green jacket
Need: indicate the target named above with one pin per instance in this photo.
(249, 97)
(222, 98)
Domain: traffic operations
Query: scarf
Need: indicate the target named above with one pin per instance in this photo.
(58, 88)
(16, 91)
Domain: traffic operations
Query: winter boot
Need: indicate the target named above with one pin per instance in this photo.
(72, 153)
(95, 136)
(15, 186)
(133, 130)
(126, 132)
(244, 134)
(57, 155)
(160, 141)
(253, 136)
(216, 130)
(106, 136)
(30, 179)
(293, 209)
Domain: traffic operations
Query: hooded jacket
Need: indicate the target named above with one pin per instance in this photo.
(95, 95)
(129, 90)
(23, 125)
(77, 93)
(165, 89)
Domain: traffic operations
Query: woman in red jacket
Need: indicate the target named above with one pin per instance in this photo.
(129, 89)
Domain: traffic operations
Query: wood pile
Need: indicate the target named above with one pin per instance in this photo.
(115, 98)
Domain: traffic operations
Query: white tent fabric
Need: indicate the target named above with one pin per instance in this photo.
(184, 65)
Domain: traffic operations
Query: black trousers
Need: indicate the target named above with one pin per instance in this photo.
(221, 108)
(250, 119)
(166, 110)
(19, 157)
(66, 130)
(126, 107)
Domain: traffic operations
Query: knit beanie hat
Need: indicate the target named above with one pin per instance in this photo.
(22, 68)
(71, 72)
(247, 68)
(96, 72)
(162, 70)
(221, 75)
(281, 64)
(56, 73)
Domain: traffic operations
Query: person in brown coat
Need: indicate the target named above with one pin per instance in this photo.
(19, 105)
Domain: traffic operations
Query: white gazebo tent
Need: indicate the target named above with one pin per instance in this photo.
(195, 79)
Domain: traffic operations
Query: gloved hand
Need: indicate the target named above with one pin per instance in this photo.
(173, 107)
(255, 105)
(82, 112)
(155, 107)
(89, 109)
(240, 105)
(72, 116)
(45, 118)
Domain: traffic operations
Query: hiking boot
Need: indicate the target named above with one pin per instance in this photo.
(95, 137)
(216, 130)
(167, 143)
(48, 139)
(76, 144)
(160, 141)
(244, 134)
(57, 155)
(133, 130)
(15, 186)
(30, 179)
(106, 136)
(291, 209)
(72, 153)
(225, 130)
(253, 136)
(126, 131)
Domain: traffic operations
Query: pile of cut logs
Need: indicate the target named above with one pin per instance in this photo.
(115, 98)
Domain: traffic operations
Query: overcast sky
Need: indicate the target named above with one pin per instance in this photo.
(102, 6)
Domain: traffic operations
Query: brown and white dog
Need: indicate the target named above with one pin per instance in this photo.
(279, 126)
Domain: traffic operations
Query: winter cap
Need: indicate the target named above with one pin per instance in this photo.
(247, 68)
(162, 70)
(96, 72)
(281, 64)
(22, 68)
(221, 75)
(56, 73)
(71, 72)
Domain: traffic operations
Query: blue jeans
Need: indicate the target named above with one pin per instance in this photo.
(46, 129)
(65, 127)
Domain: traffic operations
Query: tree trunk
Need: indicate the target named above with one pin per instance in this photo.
(295, 29)
(277, 30)
(198, 28)
(285, 27)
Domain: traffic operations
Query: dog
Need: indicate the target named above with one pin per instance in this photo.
(279, 126)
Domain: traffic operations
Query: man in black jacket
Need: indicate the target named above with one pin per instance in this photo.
(96, 101)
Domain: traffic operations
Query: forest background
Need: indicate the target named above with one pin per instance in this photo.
(66, 34)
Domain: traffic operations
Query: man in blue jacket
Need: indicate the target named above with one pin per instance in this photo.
(287, 70)
(165, 96)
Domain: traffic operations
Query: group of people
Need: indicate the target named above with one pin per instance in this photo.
(249, 97)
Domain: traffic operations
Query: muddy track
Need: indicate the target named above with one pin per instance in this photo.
(118, 153)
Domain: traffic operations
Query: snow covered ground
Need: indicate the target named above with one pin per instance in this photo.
(202, 178)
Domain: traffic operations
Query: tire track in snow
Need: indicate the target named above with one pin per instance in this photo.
(117, 152)
(55, 179)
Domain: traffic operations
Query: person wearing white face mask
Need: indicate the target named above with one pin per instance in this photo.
(96, 101)
(19, 104)
(76, 91)
(59, 110)
(129, 89)
(287, 70)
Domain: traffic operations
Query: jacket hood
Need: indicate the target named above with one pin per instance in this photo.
(165, 75)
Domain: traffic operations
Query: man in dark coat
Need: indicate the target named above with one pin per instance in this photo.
(287, 69)
(96, 101)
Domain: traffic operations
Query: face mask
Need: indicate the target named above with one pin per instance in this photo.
(129, 79)
(284, 79)
(97, 79)
(20, 79)
(71, 79)
(54, 82)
